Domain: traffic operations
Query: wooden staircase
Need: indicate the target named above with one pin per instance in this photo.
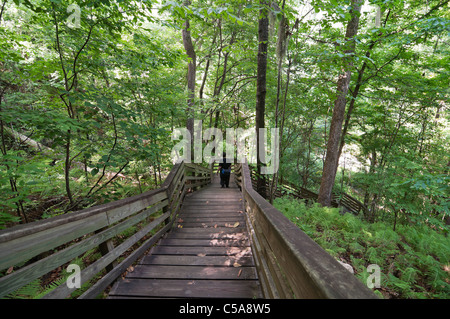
(207, 254)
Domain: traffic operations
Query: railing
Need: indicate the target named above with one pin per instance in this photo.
(289, 263)
(37, 248)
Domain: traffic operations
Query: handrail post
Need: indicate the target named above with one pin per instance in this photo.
(105, 248)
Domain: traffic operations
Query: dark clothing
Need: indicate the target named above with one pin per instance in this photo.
(225, 171)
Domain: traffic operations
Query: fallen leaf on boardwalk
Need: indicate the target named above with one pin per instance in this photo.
(180, 220)
(180, 226)
(10, 270)
(239, 273)
(215, 226)
(201, 255)
(240, 212)
(130, 269)
(236, 224)
(237, 265)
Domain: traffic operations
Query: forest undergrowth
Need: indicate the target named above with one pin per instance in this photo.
(414, 260)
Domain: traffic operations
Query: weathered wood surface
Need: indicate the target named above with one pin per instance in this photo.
(33, 250)
(206, 255)
(289, 263)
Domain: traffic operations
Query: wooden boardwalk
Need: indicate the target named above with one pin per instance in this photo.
(206, 255)
(206, 251)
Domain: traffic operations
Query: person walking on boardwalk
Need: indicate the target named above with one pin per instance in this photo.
(225, 172)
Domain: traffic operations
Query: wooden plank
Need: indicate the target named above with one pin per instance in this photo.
(184, 218)
(267, 283)
(169, 179)
(273, 266)
(223, 230)
(198, 260)
(199, 184)
(176, 193)
(227, 202)
(196, 178)
(187, 288)
(224, 205)
(207, 251)
(23, 248)
(21, 277)
(208, 219)
(192, 272)
(214, 197)
(216, 211)
(63, 291)
(131, 208)
(205, 242)
(197, 168)
(106, 280)
(213, 233)
(20, 231)
(211, 214)
(216, 224)
(32, 243)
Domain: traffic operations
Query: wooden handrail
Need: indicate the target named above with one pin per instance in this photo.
(289, 263)
(29, 247)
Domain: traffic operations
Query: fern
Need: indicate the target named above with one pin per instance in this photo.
(50, 287)
(26, 292)
(35, 290)
(416, 254)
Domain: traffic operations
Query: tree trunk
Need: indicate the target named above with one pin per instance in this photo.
(332, 158)
(190, 51)
(263, 38)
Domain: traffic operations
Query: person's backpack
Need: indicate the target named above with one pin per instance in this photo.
(226, 171)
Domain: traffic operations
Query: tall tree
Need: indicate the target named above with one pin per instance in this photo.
(263, 39)
(190, 51)
(332, 156)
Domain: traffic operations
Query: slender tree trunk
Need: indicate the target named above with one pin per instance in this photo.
(281, 50)
(67, 168)
(332, 158)
(350, 108)
(263, 38)
(1, 10)
(359, 83)
(190, 51)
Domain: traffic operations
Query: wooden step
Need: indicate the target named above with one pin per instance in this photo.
(160, 288)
